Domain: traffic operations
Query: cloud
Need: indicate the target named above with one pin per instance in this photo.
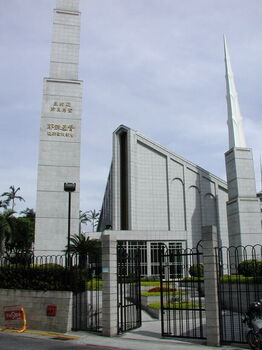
(158, 69)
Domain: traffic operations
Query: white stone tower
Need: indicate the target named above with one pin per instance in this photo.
(243, 210)
(60, 131)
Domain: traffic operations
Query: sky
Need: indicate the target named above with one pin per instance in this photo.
(156, 66)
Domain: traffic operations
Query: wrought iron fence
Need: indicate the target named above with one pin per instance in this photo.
(239, 285)
(128, 289)
(57, 273)
(182, 299)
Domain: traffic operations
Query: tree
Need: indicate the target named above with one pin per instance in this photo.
(19, 245)
(28, 213)
(6, 228)
(12, 196)
(4, 204)
(83, 219)
(93, 217)
(84, 246)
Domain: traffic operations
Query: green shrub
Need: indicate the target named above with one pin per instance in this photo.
(197, 270)
(181, 305)
(164, 288)
(151, 294)
(150, 279)
(250, 268)
(240, 279)
(150, 283)
(41, 278)
(94, 284)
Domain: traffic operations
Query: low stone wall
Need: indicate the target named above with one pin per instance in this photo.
(35, 304)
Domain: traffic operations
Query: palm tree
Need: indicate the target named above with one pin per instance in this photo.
(83, 219)
(4, 203)
(93, 217)
(84, 246)
(28, 213)
(12, 196)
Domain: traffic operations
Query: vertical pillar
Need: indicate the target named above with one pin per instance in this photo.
(243, 206)
(109, 294)
(209, 235)
(60, 134)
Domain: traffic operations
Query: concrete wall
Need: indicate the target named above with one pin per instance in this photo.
(35, 305)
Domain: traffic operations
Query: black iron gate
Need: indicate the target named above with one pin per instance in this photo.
(128, 289)
(239, 285)
(182, 301)
(87, 303)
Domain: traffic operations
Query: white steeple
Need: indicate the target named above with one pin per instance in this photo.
(234, 121)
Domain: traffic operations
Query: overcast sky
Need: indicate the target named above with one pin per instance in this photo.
(156, 66)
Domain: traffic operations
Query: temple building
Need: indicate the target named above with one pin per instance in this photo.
(150, 188)
(152, 195)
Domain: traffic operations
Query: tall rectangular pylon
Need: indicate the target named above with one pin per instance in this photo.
(243, 207)
(60, 132)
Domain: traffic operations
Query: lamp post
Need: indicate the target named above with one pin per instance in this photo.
(69, 187)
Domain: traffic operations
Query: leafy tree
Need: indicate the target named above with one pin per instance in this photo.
(19, 245)
(12, 196)
(16, 233)
(93, 217)
(6, 228)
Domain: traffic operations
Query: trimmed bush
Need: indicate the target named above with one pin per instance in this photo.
(42, 278)
(158, 289)
(250, 268)
(197, 270)
(181, 305)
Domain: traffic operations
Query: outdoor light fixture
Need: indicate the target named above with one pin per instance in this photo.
(69, 187)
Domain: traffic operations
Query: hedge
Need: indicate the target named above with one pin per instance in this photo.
(42, 278)
(250, 268)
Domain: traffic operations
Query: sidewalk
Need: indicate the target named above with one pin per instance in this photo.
(146, 337)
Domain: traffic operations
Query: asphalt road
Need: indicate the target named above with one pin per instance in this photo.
(20, 342)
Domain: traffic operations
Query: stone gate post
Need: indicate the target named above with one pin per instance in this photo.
(209, 237)
(109, 276)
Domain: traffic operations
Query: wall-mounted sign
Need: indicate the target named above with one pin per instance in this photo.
(64, 130)
(11, 315)
(51, 310)
(62, 107)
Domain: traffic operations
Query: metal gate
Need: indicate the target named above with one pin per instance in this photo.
(87, 303)
(181, 286)
(128, 288)
(239, 285)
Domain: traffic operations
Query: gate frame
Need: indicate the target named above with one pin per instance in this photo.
(209, 243)
(126, 288)
(191, 256)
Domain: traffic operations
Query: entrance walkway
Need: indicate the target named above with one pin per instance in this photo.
(150, 334)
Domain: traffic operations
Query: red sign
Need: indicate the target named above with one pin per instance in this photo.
(11, 315)
(51, 310)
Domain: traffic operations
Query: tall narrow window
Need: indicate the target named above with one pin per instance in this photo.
(123, 182)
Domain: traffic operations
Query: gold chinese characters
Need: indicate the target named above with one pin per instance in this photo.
(60, 130)
(64, 107)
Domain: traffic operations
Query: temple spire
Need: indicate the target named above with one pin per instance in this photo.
(234, 122)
